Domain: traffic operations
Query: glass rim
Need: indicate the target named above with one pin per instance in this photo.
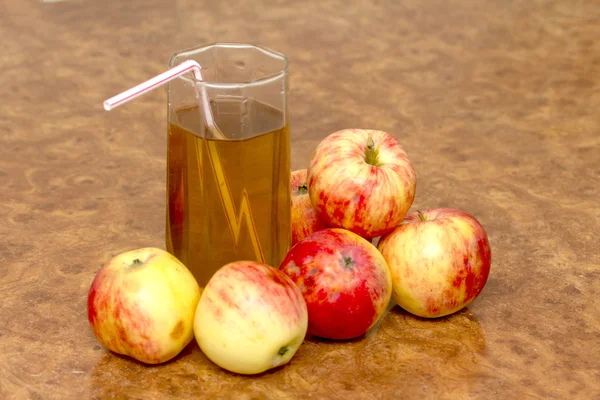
(262, 80)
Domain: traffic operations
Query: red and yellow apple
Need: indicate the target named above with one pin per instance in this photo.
(304, 216)
(439, 259)
(361, 180)
(141, 304)
(345, 282)
(250, 318)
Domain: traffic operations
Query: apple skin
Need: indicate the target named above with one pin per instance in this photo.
(365, 190)
(250, 318)
(304, 216)
(345, 282)
(141, 304)
(439, 265)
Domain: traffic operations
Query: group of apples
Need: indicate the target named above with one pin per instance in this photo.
(334, 282)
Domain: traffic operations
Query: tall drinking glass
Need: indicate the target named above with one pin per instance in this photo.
(228, 191)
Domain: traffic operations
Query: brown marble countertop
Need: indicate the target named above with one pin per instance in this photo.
(496, 102)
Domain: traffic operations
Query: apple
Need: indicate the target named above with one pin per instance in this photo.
(304, 216)
(439, 259)
(361, 180)
(250, 318)
(345, 282)
(141, 304)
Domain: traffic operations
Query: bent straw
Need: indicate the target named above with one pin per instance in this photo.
(159, 80)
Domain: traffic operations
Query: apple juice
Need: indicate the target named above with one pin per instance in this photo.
(228, 200)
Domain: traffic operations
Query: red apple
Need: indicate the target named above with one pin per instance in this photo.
(439, 259)
(304, 216)
(345, 282)
(250, 318)
(141, 304)
(361, 180)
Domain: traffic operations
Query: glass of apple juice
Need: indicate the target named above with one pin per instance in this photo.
(228, 189)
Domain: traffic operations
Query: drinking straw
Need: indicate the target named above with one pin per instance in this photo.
(159, 80)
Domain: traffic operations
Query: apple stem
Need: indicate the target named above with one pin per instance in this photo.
(348, 262)
(421, 216)
(371, 154)
(370, 143)
(283, 350)
(302, 189)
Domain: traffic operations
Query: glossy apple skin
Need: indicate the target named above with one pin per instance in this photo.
(144, 311)
(438, 266)
(348, 192)
(248, 315)
(304, 216)
(345, 282)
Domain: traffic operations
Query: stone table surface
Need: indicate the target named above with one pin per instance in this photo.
(496, 102)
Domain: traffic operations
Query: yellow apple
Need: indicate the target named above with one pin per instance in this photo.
(361, 180)
(142, 303)
(439, 259)
(251, 317)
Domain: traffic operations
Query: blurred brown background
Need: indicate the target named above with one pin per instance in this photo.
(496, 103)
